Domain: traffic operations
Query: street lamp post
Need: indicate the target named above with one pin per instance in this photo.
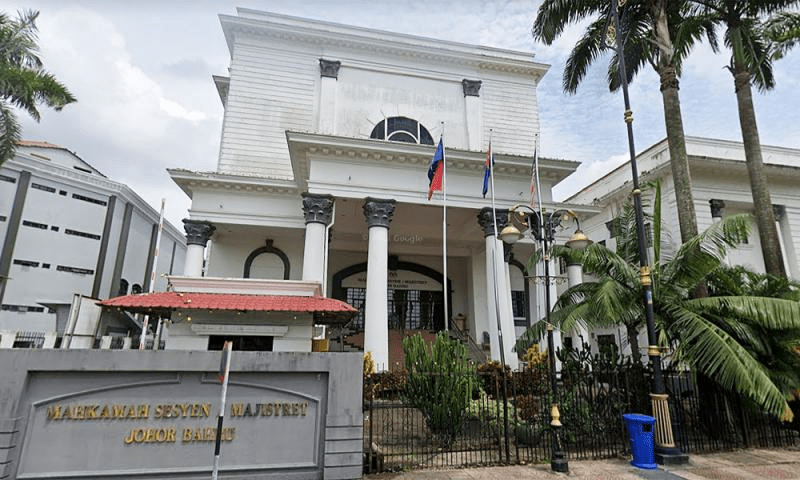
(543, 228)
(665, 449)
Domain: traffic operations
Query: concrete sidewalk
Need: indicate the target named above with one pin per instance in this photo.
(751, 464)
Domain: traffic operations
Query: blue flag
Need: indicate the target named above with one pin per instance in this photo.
(487, 170)
(435, 170)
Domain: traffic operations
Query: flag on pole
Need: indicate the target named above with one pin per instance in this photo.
(435, 170)
(487, 169)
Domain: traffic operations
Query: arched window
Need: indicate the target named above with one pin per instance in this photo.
(273, 265)
(402, 129)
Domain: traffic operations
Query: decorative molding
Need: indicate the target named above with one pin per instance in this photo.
(716, 207)
(263, 25)
(329, 68)
(198, 231)
(485, 220)
(472, 88)
(244, 286)
(317, 208)
(238, 329)
(378, 211)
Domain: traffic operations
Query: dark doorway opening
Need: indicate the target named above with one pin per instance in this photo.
(241, 343)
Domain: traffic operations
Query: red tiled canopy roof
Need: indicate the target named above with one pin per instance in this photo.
(328, 310)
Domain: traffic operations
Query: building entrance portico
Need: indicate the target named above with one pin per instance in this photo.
(322, 173)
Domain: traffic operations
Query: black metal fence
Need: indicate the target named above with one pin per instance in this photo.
(510, 425)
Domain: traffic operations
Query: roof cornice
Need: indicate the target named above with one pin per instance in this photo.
(285, 27)
(90, 182)
(188, 180)
(302, 145)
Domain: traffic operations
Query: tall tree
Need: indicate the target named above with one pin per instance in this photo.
(744, 343)
(646, 27)
(753, 45)
(23, 81)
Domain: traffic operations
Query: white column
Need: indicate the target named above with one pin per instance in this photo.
(506, 309)
(575, 277)
(378, 213)
(329, 73)
(716, 216)
(317, 210)
(197, 234)
(473, 115)
(498, 296)
(491, 303)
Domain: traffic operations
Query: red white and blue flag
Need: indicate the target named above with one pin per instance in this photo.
(436, 169)
(487, 169)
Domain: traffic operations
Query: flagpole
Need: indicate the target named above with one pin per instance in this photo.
(225, 368)
(444, 236)
(500, 342)
(494, 258)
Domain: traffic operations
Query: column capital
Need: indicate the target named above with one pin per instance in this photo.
(716, 207)
(379, 211)
(317, 208)
(486, 223)
(472, 88)
(329, 68)
(198, 231)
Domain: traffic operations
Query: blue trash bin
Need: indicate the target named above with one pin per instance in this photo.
(640, 429)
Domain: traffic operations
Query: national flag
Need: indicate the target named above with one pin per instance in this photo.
(487, 169)
(436, 169)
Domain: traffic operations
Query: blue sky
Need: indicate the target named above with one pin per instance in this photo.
(142, 73)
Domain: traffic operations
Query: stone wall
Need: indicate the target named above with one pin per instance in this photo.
(153, 415)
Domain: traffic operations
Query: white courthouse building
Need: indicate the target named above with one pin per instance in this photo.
(720, 187)
(327, 137)
(67, 229)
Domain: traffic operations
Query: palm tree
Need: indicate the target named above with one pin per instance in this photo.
(23, 81)
(647, 27)
(743, 343)
(752, 51)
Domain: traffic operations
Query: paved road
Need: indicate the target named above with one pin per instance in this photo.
(752, 464)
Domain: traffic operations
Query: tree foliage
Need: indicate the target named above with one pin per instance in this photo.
(741, 341)
(24, 84)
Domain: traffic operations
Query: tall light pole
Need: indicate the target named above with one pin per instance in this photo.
(664, 444)
(543, 228)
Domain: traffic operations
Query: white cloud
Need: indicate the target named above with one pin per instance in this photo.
(173, 109)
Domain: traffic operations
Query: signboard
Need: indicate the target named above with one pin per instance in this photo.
(398, 280)
(144, 426)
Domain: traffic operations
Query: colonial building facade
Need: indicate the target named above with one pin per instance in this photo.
(720, 187)
(327, 137)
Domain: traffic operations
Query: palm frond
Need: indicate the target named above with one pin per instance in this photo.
(783, 29)
(714, 352)
(768, 313)
(702, 254)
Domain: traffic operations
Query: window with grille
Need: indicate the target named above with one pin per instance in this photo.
(402, 129)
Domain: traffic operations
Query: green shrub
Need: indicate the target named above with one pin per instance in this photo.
(440, 383)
